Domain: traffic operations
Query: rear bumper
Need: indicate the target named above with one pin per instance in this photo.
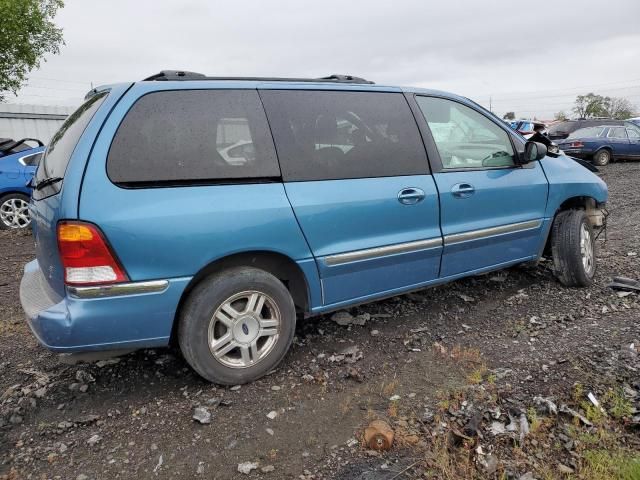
(113, 320)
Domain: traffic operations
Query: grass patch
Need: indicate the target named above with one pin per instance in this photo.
(609, 464)
(617, 405)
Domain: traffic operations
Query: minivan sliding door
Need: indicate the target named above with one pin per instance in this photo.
(357, 177)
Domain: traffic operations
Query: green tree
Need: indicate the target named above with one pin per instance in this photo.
(509, 116)
(561, 116)
(590, 105)
(27, 33)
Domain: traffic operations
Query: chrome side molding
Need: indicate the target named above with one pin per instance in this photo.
(490, 232)
(118, 289)
(370, 253)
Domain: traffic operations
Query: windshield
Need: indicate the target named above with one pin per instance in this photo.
(56, 158)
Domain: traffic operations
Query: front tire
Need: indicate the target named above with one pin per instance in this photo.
(14, 211)
(573, 249)
(602, 158)
(237, 325)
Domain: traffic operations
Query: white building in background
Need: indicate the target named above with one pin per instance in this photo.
(31, 121)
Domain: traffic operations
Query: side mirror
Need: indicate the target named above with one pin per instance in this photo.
(533, 151)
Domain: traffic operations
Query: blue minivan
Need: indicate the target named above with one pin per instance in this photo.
(215, 212)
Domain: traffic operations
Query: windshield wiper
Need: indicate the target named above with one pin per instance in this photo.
(47, 181)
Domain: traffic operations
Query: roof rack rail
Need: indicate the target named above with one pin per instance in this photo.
(166, 75)
(175, 75)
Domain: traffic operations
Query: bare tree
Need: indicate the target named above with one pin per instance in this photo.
(619, 108)
(560, 116)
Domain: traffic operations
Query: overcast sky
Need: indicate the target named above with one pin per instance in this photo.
(531, 60)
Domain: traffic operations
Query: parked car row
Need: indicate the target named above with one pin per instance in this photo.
(598, 140)
(18, 162)
(603, 143)
(339, 192)
(561, 130)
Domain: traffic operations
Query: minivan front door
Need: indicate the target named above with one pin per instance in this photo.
(357, 177)
(492, 209)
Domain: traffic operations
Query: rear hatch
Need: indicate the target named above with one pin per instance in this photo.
(58, 179)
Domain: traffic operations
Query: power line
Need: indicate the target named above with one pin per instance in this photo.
(58, 80)
(497, 99)
(563, 89)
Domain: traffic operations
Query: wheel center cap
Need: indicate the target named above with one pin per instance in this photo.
(246, 329)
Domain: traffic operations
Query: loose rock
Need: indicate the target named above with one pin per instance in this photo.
(247, 467)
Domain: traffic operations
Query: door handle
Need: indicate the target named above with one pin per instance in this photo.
(410, 196)
(462, 190)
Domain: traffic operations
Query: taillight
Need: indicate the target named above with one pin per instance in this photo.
(86, 256)
(576, 145)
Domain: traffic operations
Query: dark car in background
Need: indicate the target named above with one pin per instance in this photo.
(560, 131)
(604, 143)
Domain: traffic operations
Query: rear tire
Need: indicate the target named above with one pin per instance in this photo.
(573, 249)
(602, 158)
(237, 325)
(14, 213)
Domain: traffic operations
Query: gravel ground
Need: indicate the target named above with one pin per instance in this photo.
(432, 362)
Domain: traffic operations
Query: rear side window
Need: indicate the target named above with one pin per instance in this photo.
(634, 133)
(61, 146)
(617, 132)
(322, 135)
(193, 136)
(589, 132)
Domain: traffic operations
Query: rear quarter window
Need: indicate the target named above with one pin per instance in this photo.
(61, 146)
(193, 136)
(330, 135)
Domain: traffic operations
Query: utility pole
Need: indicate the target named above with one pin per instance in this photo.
(490, 105)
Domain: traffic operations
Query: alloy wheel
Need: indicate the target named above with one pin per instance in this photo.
(244, 329)
(14, 213)
(586, 250)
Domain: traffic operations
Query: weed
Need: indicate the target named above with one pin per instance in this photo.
(389, 388)
(466, 356)
(578, 393)
(475, 377)
(594, 414)
(617, 405)
(534, 421)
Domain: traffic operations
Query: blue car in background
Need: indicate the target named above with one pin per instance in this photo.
(18, 163)
(604, 143)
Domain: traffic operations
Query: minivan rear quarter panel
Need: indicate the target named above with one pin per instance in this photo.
(164, 232)
(45, 212)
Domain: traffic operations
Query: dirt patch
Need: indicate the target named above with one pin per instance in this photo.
(493, 341)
